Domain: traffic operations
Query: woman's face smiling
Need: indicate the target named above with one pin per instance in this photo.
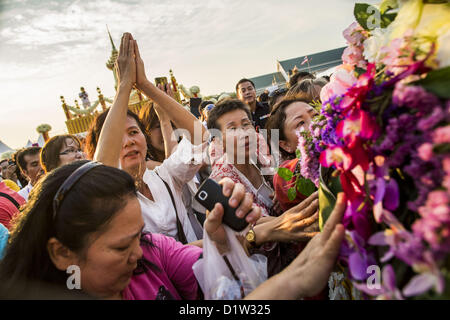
(134, 147)
(298, 115)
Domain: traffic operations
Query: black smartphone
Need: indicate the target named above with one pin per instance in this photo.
(209, 193)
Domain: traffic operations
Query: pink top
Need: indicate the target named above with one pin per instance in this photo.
(7, 209)
(175, 281)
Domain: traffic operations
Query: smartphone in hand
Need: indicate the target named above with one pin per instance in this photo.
(209, 193)
(162, 81)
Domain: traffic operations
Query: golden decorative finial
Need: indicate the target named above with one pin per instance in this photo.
(176, 92)
(78, 107)
(66, 110)
(101, 99)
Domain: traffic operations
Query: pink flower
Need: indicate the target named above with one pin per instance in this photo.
(354, 34)
(442, 135)
(358, 124)
(339, 83)
(426, 151)
(336, 156)
(446, 164)
(437, 199)
(353, 56)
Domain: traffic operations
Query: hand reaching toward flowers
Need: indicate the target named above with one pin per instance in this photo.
(307, 275)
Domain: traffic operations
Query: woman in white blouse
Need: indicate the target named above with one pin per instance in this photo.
(160, 190)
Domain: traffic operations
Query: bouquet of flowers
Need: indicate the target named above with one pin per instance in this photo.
(383, 138)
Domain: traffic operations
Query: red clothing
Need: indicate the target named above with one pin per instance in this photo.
(7, 209)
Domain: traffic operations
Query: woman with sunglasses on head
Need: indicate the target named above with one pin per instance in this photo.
(86, 216)
(60, 150)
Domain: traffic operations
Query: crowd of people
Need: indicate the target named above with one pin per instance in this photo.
(121, 204)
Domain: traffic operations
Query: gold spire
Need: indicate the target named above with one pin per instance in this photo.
(112, 59)
(176, 92)
(66, 110)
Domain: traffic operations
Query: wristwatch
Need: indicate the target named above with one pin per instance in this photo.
(251, 237)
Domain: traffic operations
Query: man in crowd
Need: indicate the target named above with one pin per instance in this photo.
(246, 92)
(9, 172)
(29, 164)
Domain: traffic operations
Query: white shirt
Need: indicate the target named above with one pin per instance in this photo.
(177, 170)
(25, 191)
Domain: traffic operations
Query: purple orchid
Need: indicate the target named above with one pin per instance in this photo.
(430, 277)
(387, 290)
(358, 258)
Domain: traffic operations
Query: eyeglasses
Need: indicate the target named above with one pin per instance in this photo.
(69, 151)
(70, 182)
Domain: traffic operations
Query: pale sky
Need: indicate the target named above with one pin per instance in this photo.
(52, 48)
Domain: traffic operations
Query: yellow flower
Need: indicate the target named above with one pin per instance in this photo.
(435, 21)
(408, 17)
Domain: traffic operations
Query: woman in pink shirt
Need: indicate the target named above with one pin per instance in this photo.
(85, 216)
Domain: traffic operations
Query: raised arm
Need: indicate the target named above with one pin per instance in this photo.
(170, 141)
(182, 118)
(110, 140)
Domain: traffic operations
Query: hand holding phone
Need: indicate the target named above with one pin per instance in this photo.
(210, 193)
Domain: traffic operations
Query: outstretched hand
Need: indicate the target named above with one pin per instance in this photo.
(125, 63)
(318, 258)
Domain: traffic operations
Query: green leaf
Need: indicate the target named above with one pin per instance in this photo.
(285, 174)
(361, 14)
(359, 71)
(369, 17)
(298, 154)
(387, 18)
(292, 193)
(329, 187)
(442, 148)
(305, 186)
(437, 82)
(386, 5)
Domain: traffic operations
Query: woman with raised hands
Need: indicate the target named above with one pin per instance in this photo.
(159, 190)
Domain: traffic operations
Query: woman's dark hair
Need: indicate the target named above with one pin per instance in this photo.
(50, 152)
(87, 208)
(202, 106)
(96, 127)
(223, 107)
(276, 121)
(299, 76)
(149, 120)
(275, 96)
(306, 90)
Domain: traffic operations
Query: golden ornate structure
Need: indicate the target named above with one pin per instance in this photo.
(78, 119)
